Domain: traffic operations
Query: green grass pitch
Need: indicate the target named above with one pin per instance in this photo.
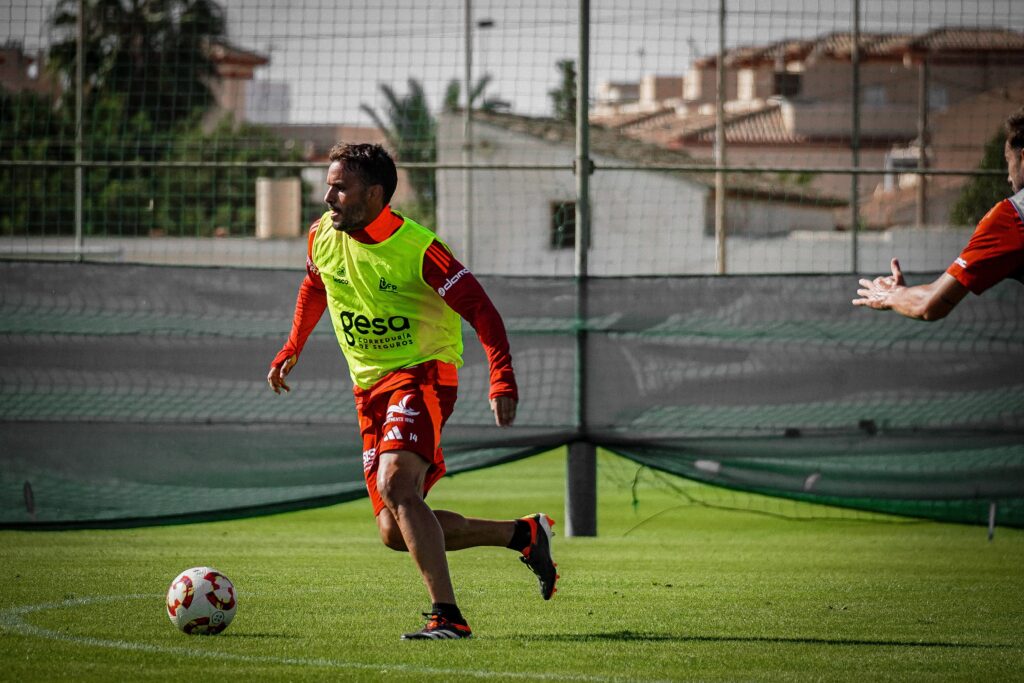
(667, 591)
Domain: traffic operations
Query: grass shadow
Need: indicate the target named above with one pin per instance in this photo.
(638, 636)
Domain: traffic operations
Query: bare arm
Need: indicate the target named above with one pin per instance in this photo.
(928, 302)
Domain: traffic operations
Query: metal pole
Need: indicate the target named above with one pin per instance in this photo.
(581, 467)
(467, 139)
(720, 146)
(855, 137)
(79, 97)
(921, 214)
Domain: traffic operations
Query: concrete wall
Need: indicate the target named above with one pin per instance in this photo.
(760, 218)
(833, 120)
(755, 83)
(657, 88)
(701, 83)
(643, 222)
(830, 81)
(807, 156)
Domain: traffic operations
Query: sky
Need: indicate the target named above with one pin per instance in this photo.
(333, 56)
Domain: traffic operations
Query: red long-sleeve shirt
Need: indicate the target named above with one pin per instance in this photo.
(995, 250)
(443, 272)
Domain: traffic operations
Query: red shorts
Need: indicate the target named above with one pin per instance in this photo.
(405, 411)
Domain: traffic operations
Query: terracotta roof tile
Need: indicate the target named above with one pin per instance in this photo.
(873, 45)
(629, 151)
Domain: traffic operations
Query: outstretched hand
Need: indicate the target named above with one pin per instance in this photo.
(878, 293)
(504, 409)
(275, 378)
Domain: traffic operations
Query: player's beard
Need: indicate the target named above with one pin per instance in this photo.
(349, 220)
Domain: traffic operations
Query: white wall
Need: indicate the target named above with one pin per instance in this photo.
(641, 222)
(758, 218)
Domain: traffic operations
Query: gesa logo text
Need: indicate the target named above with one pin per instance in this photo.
(363, 325)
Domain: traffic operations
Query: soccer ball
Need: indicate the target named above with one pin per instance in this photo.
(201, 601)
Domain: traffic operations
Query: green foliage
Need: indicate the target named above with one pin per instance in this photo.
(146, 97)
(796, 179)
(36, 199)
(151, 52)
(137, 195)
(209, 200)
(981, 193)
(563, 98)
(411, 132)
(453, 96)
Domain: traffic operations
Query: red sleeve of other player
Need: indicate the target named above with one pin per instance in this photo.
(995, 251)
(309, 306)
(464, 295)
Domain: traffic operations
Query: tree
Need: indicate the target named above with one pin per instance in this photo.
(210, 200)
(151, 52)
(563, 98)
(453, 96)
(981, 193)
(147, 77)
(32, 129)
(411, 132)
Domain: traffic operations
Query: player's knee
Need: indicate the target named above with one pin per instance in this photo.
(390, 491)
(392, 538)
(396, 490)
(390, 533)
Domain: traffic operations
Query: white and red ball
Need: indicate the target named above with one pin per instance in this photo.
(201, 601)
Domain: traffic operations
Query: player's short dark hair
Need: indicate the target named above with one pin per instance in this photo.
(371, 163)
(1015, 129)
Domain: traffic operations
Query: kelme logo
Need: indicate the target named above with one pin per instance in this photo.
(376, 326)
(450, 282)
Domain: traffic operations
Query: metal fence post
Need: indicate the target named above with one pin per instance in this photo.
(855, 136)
(720, 227)
(581, 466)
(79, 97)
(467, 140)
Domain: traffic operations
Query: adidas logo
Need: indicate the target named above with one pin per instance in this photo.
(394, 434)
(402, 408)
(386, 286)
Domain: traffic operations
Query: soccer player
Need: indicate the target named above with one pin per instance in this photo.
(395, 294)
(995, 252)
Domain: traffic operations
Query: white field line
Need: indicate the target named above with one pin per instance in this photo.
(12, 620)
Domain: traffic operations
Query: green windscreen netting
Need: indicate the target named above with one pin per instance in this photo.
(137, 394)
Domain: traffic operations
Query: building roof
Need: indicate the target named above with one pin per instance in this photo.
(232, 61)
(761, 124)
(316, 139)
(623, 119)
(952, 41)
(221, 51)
(629, 151)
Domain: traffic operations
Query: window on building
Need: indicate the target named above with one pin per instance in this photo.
(787, 83)
(874, 96)
(898, 161)
(563, 225)
(938, 97)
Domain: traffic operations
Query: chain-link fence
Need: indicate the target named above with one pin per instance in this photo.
(190, 131)
(783, 142)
